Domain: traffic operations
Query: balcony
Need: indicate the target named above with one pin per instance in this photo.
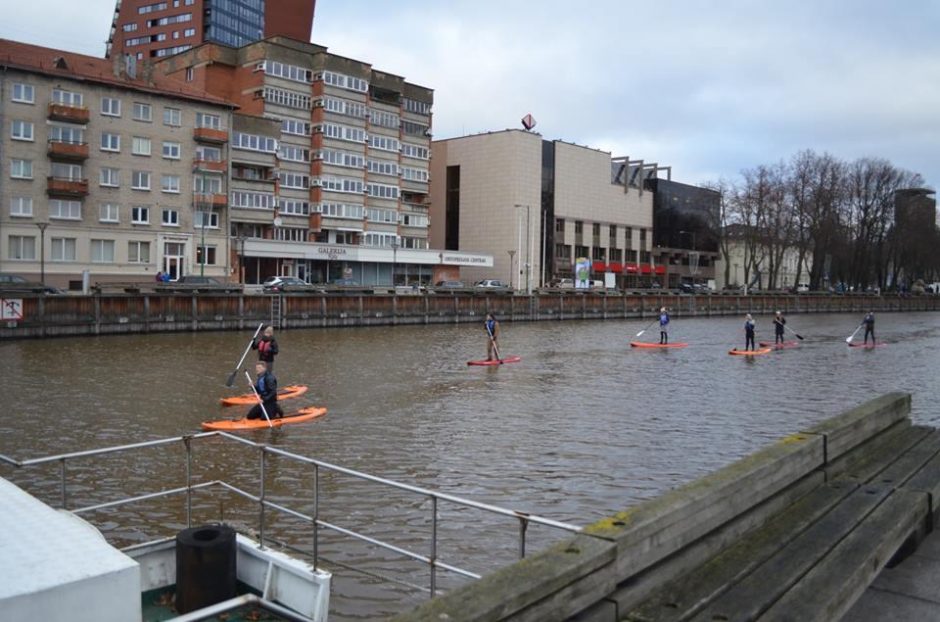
(214, 166)
(210, 135)
(206, 201)
(65, 187)
(69, 114)
(60, 150)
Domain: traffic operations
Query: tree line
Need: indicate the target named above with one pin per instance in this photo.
(862, 224)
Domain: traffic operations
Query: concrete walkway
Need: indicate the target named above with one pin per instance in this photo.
(909, 591)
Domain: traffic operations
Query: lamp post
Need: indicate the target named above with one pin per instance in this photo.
(528, 247)
(42, 253)
(512, 254)
(394, 259)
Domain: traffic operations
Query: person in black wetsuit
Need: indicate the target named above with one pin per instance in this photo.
(749, 332)
(266, 386)
(779, 323)
(869, 323)
(266, 347)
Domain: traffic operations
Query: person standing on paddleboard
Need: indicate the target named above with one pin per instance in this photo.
(492, 336)
(266, 386)
(749, 326)
(266, 347)
(779, 323)
(663, 323)
(869, 323)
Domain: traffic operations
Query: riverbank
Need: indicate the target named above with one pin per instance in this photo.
(104, 314)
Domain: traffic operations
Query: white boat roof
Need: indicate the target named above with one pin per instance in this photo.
(45, 550)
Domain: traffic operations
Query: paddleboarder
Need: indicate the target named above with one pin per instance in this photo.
(492, 336)
(663, 323)
(779, 323)
(266, 347)
(869, 323)
(266, 386)
(749, 326)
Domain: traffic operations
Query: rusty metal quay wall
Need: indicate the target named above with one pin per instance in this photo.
(103, 314)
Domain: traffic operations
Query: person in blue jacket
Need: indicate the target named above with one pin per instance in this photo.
(749, 326)
(492, 336)
(663, 323)
(266, 386)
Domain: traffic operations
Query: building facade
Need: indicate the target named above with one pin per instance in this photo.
(330, 165)
(98, 171)
(539, 206)
(148, 29)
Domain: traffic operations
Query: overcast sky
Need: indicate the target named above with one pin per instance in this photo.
(709, 87)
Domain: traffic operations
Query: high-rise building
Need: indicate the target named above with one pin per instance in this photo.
(149, 29)
(97, 170)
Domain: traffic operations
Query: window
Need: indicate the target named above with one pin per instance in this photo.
(207, 184)
(171, 218)
(190, 73)
(23, 93)
(293, 126)
(172, 117)
(382, 191)
(344, 158)
(578, 226)
(341, 184)
(383, 118)
(559, 225)
(138, 252)
(345, 210)
(63, 249)
(21, 130)
(140, 215)
(102, 251)
(171, 151)
(129, 27)
(170, 183)
(344, 81)
(67, 98)
(189, 32)
(67, 134)
(66, 210)
(110, 142)
(414, 174)
(108, 212)
(294, 154)
(140, 146)
(109, 177)
(295, 180)
(21, 206)
(22, 247)
(160, 36)
(209, 255)
(284, 97)
(290, 72)
(142, 112)
(21, 169)
(415, 106)
(343, 132)
(208, 154)
(70, 172)
(150, 8)
(383, 167)
(253, 142)
(388, 216)
(384, 143)
(210, 121)
(110, 107)
(414, 151)
(140, 180)
(252, 200)
(294, 207)
(211, 219)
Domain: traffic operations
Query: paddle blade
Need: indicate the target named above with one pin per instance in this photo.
(641, 332)
(799, 336)
(231, 379)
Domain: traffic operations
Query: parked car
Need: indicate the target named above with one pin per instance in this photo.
(687, 288)
(449, 285)
(276, 284)
(345, 282)
(491, 284)
(14, 283)
(198, 283)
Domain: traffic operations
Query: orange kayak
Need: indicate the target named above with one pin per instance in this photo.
(249, 399)
(647, 344)
(233, 425)
(750, 352)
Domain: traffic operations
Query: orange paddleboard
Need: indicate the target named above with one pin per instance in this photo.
(233, 425)
(249, 398)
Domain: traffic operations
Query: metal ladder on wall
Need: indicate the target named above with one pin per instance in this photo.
(276, 302)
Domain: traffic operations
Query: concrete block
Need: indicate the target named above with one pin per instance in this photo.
(855, 426)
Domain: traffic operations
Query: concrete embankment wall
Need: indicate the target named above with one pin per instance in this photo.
(617, 562)
(47, 316)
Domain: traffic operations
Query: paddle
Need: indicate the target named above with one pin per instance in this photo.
(495, 347)
(795, 334)
(231, 378)
(647, 327)
(852, 336)
(263, 409)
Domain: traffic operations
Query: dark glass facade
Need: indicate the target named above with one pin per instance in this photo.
(452, 209)
(234, 22)
(548, 210)
(684, 216)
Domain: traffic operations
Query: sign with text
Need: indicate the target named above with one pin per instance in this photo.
(11, 308)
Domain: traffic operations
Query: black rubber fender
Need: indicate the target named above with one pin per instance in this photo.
(205, 566)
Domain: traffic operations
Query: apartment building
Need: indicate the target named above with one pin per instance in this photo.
(147, 29)
(98, 170)
(538, 206)
(330, 163)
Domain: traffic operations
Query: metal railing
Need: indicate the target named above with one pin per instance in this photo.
(430, 559)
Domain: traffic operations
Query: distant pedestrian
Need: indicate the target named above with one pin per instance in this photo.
(869, 323)
(266, 347)
(492, 336)
(779, 323)
(159, 277)
(166, 277)
(749, 327)
(663, 326)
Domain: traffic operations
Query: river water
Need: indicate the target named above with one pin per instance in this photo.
(582, 427)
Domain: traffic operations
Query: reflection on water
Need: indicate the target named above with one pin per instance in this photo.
(582, 427)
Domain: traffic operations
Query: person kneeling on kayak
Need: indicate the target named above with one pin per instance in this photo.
(266, 386)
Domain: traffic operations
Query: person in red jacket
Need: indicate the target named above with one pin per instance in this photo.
(266, 347)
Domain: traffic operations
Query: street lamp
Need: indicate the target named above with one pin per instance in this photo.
(512, 254)
(528, 247)
(202, 208)
(394, 259)
(42, 253)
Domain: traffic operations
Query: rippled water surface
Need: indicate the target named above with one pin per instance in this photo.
(583, 427)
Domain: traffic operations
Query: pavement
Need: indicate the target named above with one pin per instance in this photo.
(908, 592)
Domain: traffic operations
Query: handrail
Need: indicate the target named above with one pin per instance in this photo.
(430, 559)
